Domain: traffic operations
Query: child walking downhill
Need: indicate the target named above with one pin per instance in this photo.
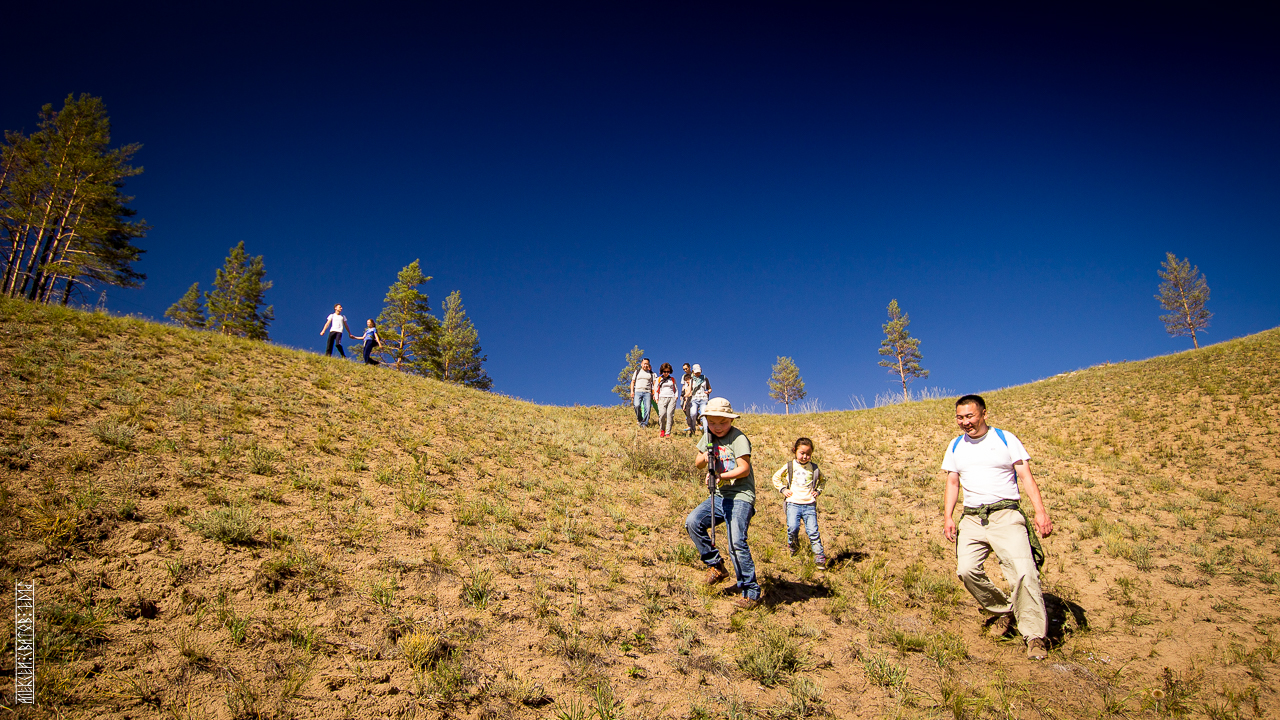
(733, 503)
(800, 482)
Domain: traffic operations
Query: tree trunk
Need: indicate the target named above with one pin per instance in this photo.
(66, 292)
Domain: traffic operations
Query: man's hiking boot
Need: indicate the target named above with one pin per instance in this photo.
(747, 603)
(715, 573)
(820, 562)
(1037, 649)
(1001, 626)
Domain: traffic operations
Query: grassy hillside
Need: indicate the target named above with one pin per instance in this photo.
(223, 529)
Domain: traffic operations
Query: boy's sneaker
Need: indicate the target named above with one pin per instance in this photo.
(715, 573)
(793, 547)
(820, 562)
(1037, 649)
(1002, 626)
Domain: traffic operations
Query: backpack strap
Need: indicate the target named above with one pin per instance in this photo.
(956, 444)
(1000, 434)
(789, 462)
(814, 480)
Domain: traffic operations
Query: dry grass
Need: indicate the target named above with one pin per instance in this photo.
(295, 536)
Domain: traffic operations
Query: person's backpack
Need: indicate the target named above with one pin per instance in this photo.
(816, 474)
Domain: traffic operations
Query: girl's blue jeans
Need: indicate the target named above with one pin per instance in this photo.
(735, 514)
(809, 514)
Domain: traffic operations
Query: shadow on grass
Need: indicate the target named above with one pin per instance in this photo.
(785, 592)
(1059, 612)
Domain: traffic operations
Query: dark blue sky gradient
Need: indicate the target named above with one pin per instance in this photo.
(720, 184)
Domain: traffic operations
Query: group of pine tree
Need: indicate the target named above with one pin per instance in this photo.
(1183, 294)
(65, 223)
(413, 340)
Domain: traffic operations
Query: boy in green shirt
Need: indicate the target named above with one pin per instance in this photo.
(733, 504)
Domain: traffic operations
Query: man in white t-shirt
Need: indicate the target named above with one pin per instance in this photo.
(642, 391)
(988, 463)
(334, 325)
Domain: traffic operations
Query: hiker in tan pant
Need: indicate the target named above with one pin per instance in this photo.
(990, 464)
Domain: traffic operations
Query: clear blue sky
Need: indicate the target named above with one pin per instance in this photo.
(723, 184)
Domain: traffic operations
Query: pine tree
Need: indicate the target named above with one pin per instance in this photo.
(623, 388)
(235, 303)
(188, 312)
(63, 215)
(785, 385)
(453, 350)
(903, 349)
(1183, 293)
(406, 322)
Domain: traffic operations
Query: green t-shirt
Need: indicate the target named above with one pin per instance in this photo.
(727, 451)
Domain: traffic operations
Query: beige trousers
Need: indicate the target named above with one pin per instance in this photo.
(1006, 534)
(666, 413)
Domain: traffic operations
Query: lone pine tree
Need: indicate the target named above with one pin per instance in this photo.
(188, 311)
(785, 385)
(235, 303)
(902, 350)
(1183, 294)
(406, 323)
(453, 350)
(623, 388)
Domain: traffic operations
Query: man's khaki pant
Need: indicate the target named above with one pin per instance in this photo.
(1006, 534)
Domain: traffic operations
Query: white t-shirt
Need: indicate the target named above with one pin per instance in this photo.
(666, 388)
(337, 323)
(699, 384)
(644, 381)
(986, 466)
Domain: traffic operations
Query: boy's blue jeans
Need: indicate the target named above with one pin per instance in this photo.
(641, 405)
(736, 516)
(809, 514)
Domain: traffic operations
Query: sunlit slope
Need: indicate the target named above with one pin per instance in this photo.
(222, 528)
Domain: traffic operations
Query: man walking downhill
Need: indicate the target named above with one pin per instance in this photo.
(988, 464)
(686, 397)
(642, 391)
(335, 325)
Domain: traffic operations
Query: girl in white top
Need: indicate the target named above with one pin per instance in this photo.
(800, 482)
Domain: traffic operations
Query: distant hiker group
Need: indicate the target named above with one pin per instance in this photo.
(661, 392)
(987, 463)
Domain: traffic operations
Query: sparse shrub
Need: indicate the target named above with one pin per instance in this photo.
(383, 592)
(884, 672)
(262, 461)
(113, 433)
(233, 526)
(478, 590)
(423, 649)
(771, 655)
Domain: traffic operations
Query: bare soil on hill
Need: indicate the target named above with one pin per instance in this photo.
(225, 529)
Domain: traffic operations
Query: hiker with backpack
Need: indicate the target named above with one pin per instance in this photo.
(728, 450)
(642, 391)
(800, 482)
(686, 397)
(668, 393)
(988, 464)
(699, 391)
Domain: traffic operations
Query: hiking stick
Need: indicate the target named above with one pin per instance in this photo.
(713, 479)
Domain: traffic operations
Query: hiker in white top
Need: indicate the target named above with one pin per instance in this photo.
(334, 325)
(668, 395)
(989, 463)
(699, 391)
(686, 398)
(642, 391)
